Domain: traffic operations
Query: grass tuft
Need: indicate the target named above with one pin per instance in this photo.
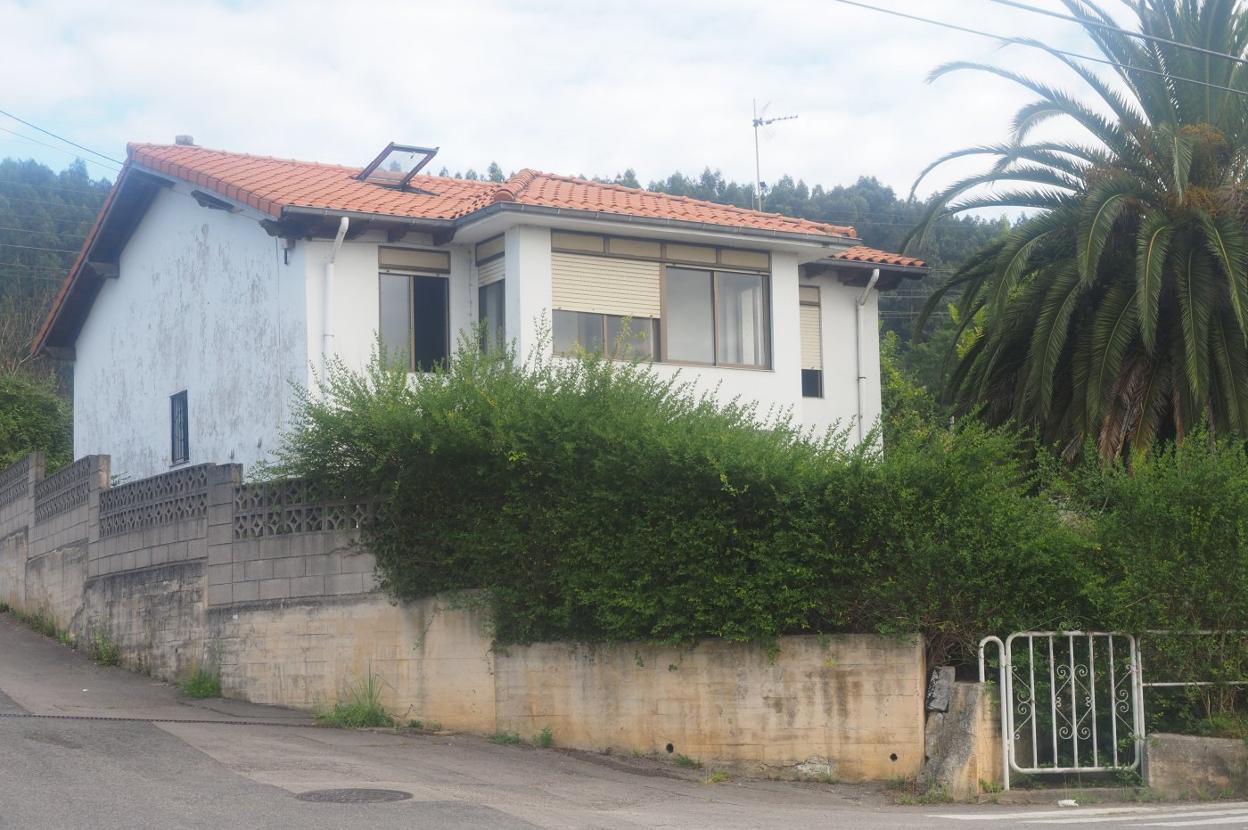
(716, 776)
(102, 649)
(202, 683)
(545, 739)
(506, 738)
(685, 762)
(359, 707)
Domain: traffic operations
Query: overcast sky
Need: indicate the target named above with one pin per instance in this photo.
(566, 86)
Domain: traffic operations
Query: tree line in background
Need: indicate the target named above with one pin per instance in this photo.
(44, 217)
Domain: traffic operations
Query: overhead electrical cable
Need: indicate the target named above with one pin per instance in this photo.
(1087, 21)
(59, 138)
(1038, 45)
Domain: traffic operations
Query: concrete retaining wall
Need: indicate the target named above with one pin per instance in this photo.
(270, 585)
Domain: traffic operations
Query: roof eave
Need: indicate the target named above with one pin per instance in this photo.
(656, 222)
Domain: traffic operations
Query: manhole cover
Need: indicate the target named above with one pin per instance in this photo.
(353, 796)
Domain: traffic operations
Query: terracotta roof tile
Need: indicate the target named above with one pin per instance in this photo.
(861, 253)
(272, 184)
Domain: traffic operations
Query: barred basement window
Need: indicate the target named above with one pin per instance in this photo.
(179, 429)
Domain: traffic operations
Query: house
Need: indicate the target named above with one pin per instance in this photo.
(213, 282)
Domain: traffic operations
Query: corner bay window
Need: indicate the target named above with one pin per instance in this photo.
(717, 317)
(682, 302)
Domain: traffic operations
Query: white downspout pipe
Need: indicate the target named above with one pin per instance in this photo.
(862, 375)
(327, 300)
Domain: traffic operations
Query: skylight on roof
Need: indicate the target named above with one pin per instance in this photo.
(396, 165)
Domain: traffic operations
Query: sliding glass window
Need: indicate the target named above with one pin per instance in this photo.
(720, 318)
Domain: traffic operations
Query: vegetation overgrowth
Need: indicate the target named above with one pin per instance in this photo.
(1114, 316)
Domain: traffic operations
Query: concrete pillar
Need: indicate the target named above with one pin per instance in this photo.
(529, 292)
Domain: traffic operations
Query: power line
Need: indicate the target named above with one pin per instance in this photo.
(83, 190)
(35, 248)
(1087, 21)
(57, 149)
(1045, 47)
(30, 232)
(59, 138)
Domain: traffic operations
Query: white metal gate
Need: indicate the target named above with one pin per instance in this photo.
(1071, 701)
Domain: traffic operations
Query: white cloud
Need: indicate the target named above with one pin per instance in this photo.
(575, 87)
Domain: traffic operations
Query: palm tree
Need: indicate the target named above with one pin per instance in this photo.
(1118, 311)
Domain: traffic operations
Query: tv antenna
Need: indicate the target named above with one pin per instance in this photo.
(762, 121)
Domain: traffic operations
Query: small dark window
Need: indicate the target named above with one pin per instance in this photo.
(179, 430)
(812, 383)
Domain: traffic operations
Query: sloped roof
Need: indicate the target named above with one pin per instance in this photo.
(861, 253)
(272, 184)
(276, 187)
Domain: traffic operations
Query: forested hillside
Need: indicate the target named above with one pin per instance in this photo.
(43, 218)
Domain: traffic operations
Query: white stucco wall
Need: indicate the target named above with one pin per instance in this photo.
(356, 295)
(203, 303)
(529, 303)
(206, 302)
(838, 408)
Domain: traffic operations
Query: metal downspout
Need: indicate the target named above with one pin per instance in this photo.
(327, 302)
(862, 377)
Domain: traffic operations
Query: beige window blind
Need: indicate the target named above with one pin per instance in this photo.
(603, 285)
(491, 271)
(812, 328)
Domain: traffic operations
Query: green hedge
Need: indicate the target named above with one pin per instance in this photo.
(588, 500)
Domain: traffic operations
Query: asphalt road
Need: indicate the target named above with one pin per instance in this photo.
(160, 770)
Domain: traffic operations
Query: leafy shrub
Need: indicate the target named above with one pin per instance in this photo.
(590, 500)
(34, 416)
(1172, 554)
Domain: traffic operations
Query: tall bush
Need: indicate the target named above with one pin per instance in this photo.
(34, 417)
(589, 500)
(1172, 555)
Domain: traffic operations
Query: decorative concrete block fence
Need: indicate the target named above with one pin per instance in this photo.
(269, 584)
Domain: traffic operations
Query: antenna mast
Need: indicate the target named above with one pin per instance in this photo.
(758, 171)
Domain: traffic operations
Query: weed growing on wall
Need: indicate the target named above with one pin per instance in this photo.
(202, 682)
(590, 500)
(359, 706)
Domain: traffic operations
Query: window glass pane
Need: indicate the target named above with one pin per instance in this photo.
(742, 319)
(179, 429)
(690, 318)
(812, 383)
(631, 338)
(395, 326)
(574, 330)
(430, 327)
(491, 301)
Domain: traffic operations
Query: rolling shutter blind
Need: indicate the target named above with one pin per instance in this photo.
(602, 285)
(812, 340)
(490, 271)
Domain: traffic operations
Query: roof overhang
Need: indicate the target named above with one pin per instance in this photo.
(99, 259)
(856, 273)
(489, 221)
